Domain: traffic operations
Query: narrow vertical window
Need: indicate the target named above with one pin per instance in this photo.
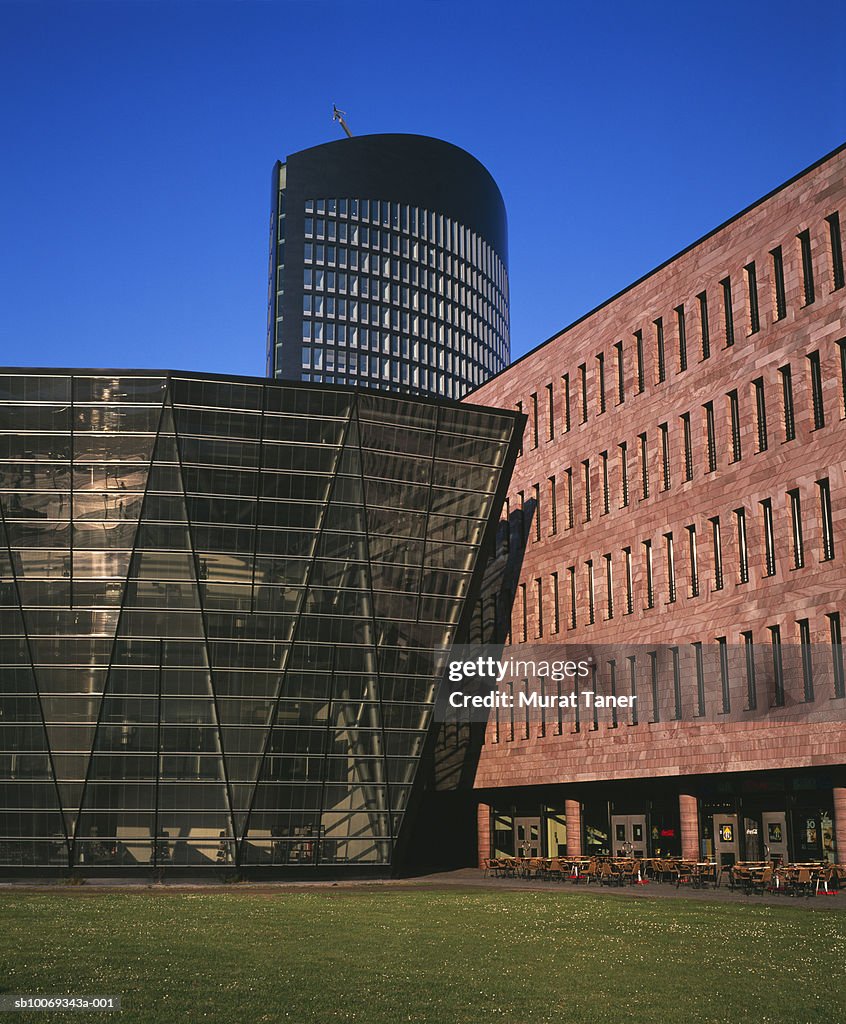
(553, 507)
(717, 544)
(627, 561)
(769, 539)
(590, 592)
(694, 560)
(788, 418)
(609, 587)
(725, 682)
(621, 376)
(520, 449)
(644, 467)
(524, 531)
(752, 296)
(539, 606)
(688, 446)
(550, 412)
(583, 395)
(624, 474)
(682, 338)
(571, 575)
(728, 311)
(780, 311)
(568, 474)
(536, 489)
(632, 660)
(778, 666)
(612, 685)
(841, 345)
(826, 521)
(650, 579)
(556, 622)
(837, 654)
(600, 382)
(816, 390)
(837, 276)
(760, 413)
(710, 437)
(671, 568)
(734, 419)
(704, 329)
(565, 392)
(665, 455)
(534, 420)
(807, 661)
(641, 376)
(606, 495)
(677, 685)
(742, 548)
(796, 528)
(659, 350)
(586, 486)
(524, 625)
(751, 681)
(807, 266)
(653, 678)
(700, 679)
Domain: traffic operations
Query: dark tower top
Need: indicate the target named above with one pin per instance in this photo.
(388, 267)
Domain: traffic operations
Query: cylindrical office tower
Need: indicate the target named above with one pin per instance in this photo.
(388, 267)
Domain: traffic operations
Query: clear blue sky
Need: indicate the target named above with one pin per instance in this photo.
(138, 140)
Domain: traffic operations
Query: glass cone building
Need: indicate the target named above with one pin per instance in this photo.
(221, 601)
(388, 267)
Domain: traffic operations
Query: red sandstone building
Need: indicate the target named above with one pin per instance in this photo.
(681, 488)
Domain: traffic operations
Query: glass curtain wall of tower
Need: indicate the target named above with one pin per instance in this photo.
(388, 267)
(220, 605)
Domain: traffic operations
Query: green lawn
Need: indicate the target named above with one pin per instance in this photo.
(386, 956)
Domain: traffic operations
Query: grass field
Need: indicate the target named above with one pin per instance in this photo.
(392, 956)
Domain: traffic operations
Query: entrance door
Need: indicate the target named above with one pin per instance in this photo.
(527, 837)
(726, 839)
(774, 825)
(629, 835)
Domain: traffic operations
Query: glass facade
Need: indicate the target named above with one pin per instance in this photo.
(405, 292)
(400, 298)
(220, 603)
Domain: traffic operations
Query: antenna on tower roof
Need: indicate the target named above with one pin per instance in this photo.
(339, 115)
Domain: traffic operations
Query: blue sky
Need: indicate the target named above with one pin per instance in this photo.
(139, 140)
